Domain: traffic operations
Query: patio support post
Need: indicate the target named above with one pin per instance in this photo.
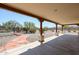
(78, 29)
(41, 31)
(62, 28)
(56, 29)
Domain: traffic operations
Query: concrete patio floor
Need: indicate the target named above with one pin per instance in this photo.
(62, 45)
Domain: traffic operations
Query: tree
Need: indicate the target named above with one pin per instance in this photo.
(29, 27)
(66, 26)
(45, 29)
(11, 25)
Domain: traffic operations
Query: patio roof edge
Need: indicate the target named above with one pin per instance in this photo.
(8, 7)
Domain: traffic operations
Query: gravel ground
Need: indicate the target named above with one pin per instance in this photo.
(33, 37)
(6, 37)
(36, 36)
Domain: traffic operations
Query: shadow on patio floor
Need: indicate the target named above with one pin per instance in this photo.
(62, 45)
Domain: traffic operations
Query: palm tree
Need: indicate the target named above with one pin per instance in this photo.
(29, 27)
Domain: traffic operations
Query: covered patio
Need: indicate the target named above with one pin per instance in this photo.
(60, 14)
(62, 45)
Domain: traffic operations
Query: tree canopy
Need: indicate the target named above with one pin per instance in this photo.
(29, 27)
(9, 25)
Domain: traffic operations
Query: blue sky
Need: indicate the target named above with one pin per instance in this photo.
(6, 15)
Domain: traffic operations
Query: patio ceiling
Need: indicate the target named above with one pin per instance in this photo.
(62, 13)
